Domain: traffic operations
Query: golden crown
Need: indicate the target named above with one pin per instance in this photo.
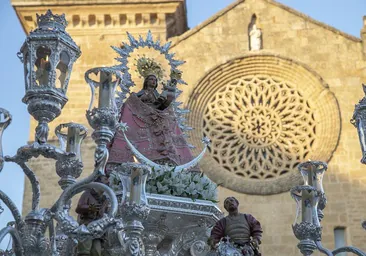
(147, 67)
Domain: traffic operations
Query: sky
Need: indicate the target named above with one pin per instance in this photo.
(343, 15)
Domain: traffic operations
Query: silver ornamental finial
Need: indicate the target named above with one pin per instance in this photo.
(50, 20)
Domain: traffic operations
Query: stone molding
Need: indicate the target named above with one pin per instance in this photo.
(109, 16)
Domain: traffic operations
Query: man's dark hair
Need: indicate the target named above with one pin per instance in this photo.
(230, 198)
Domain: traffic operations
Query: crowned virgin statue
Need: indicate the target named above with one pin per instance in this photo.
(153, 128)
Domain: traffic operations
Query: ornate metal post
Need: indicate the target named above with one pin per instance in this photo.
(359, 121)
(69, 169)
(134, 207)
(103, 118)
(48, 55)
(306, 226)
(312, 172)
(310, 199)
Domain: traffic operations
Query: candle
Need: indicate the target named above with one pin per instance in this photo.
(306, 206)
(310, 174)
(44, 62)
(73, 134)
(105, 90)
(135, 195)
(135, 160)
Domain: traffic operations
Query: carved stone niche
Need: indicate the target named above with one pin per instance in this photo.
(179, 226)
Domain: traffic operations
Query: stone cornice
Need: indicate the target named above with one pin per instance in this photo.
(16, 3)
(111, 17)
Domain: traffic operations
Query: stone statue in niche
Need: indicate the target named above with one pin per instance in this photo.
(242, 230)
(153, 126)
(255, 35)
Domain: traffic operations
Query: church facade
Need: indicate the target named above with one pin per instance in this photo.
(270, 87)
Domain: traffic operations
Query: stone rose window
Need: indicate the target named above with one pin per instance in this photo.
(264, 114)
(260, 127)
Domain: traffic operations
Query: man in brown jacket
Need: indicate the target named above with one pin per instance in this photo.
(91, 206)
(242, 229)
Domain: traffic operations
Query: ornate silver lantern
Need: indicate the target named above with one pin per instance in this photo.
(359, 121)
(48, 55)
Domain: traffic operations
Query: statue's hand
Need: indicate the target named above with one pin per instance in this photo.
(171, 86)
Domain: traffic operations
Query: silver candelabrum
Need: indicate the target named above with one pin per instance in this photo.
(48, 55)
(311, 201)
(359, 121)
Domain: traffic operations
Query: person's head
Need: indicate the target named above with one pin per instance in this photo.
(150, 83)
(231, 204)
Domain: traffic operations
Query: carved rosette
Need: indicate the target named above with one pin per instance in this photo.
(264, 115)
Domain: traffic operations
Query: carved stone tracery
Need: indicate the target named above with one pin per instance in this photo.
(264, 114)
(260, 127)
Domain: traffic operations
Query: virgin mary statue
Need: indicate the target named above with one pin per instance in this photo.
(153, 127)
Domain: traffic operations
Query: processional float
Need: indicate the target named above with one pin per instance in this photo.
(150, 208)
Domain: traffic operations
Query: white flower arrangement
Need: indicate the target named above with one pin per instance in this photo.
(183, 184)
(167, 181)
